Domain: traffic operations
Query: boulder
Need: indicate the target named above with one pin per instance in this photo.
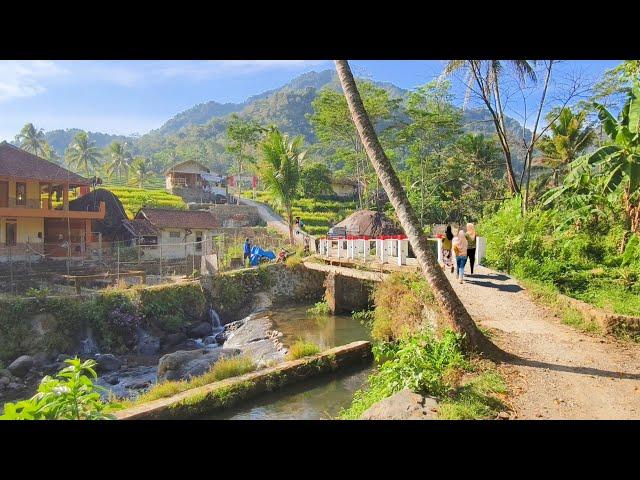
(251, 330)
(200, 330)
(185, 364)
(404, 405)
(263, 352)
(211, 339)
(5, 380)
(107, 363)
(21, 365)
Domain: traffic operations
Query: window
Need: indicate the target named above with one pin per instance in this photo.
(198, 241)
(21, 193)
(174, 234)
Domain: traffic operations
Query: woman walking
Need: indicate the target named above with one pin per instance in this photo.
(446, 249)
(471, 241)
(460, 251)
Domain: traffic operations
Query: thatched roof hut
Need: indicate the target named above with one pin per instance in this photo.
(111, 226)
(369, 223)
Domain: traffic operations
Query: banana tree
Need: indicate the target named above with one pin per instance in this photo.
(614, 167)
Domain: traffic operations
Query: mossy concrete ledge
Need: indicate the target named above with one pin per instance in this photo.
(214, 396)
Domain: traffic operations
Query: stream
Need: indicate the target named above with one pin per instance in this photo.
(317, 398)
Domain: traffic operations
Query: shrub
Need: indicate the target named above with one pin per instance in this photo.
(70, 396)
(419, 362)
(302, 349)
(319, 309)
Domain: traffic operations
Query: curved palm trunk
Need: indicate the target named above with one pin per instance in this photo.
(452, 308)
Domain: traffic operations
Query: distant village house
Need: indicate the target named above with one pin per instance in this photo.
(194, 182)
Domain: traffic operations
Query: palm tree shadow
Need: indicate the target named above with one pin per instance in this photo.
(512, 359)
(495, 276)
(509, 288)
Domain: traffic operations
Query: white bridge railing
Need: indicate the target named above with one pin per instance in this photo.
(392, 249)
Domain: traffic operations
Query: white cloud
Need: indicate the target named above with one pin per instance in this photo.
(25, 78)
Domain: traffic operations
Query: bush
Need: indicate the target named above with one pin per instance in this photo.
(419, 362)
(319, 309)
(70, 396)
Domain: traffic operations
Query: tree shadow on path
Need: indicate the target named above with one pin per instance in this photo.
(496, 276)
(509, 288)
(525, 362)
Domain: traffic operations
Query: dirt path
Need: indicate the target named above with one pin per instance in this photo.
(560, 373)
(275, 221)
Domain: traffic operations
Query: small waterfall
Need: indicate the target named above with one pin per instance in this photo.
(88, 346)
(215, 321)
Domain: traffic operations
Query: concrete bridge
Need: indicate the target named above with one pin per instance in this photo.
(354, 264)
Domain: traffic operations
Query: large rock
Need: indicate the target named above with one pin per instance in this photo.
(107, 363)
(404, 405)
(182, 365)
(21, 365)
(251, 330)
(202, 329)
(256, 340)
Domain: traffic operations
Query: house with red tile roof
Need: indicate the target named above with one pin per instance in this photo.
(34, 206)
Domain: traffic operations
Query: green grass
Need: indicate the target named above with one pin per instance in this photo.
(478, 398)
(548, 295)
(302, 349)
(224, 368)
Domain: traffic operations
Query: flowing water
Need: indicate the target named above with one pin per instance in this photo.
(317, 398)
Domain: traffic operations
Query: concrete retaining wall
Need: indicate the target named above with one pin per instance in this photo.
(204, 400)
(610, 323)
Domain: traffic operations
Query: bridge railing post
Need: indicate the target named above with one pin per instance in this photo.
(440, 259)
(481, 249)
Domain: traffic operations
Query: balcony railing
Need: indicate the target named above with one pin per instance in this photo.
(37, 209)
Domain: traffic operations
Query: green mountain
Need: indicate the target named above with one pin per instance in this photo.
(199, 133)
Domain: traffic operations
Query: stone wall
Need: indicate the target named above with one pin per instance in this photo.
(229, 216)
(232, 293)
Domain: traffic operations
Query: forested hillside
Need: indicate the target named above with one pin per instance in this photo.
(199, 133)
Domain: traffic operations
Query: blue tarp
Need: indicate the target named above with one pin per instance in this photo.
(257, 253)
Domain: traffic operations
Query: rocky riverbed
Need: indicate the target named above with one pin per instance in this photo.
(175, 357)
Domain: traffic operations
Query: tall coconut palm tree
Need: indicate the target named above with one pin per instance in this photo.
(485, 74)
(31, 139)
(569, 138)
(120, 159)
(139, 171)
(280, 169)
(452, 308)
(82, 154)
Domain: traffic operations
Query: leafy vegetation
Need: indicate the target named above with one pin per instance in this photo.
(71, 395)
(319, 309)
(433, 367)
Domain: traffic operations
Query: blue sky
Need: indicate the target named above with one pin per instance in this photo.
(124, 97)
